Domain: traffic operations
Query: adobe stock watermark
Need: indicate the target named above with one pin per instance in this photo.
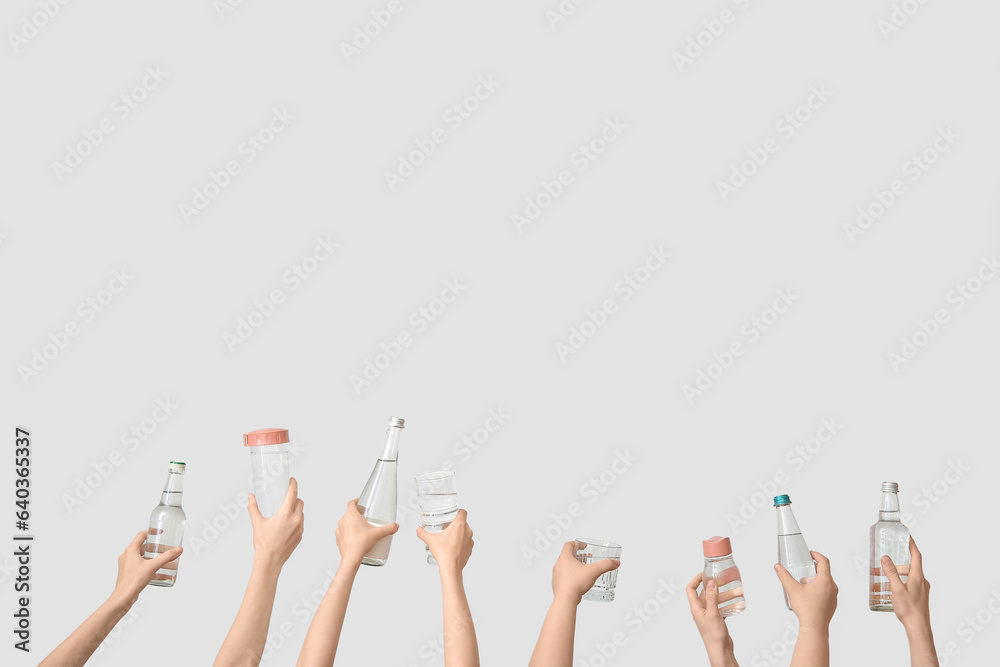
(87, 311)
(751, 331)
(925, 501)
(928, 329)
(562, 12)
(116, 632)
(211, 529)
(294, 277)
(787, 127)
(900, 15)
(780, 649)
(635, 621)
(248, 150)
(121, 108)
(365, 33)
(32, 24)
(912, 169)
(579, 161)
(712, 29)
(623, 290)
(971, 627)
(136, 435)
(419, 321)
(556, 532)
(796, 458)
(453, 118)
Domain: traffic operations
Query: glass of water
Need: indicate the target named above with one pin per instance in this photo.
(591, 551)
(438, 501)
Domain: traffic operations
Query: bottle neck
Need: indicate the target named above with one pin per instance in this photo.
(391, 449)
(173, 489)
(889, 509)
(787, 525)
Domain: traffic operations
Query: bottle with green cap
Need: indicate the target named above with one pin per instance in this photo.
(166, 525)
(793, 554)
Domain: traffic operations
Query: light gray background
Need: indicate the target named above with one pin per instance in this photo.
(495, 346)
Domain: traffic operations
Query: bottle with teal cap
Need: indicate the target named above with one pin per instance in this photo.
(793, 554)
(166, 525)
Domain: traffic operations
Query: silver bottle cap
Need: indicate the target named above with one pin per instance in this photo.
(396, 421)
(890, 487)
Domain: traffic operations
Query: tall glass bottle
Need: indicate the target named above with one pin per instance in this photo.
(377, 501)
(889, 537)
(793, 554)
(166, 525)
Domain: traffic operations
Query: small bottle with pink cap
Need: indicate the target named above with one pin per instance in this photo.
(720, 566)
(268, 467)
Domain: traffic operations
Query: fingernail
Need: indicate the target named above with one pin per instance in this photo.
(710, 585)
(777, 567)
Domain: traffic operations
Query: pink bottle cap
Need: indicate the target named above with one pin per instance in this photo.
(716, 547)
(265, 436)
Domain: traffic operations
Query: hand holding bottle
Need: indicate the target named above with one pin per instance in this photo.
(911, 603)
(452, 547)
(708, 618)
(571, 578)
(135, 572)
(813, 602)
(275, 538)
(356, 537)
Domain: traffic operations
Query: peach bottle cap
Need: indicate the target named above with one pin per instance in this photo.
(265, 436)
(716, 547)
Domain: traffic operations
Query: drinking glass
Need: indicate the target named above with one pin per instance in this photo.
(591, 551)
(438, 501)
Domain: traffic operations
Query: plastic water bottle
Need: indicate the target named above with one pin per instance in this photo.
(720, 566)
(268, 467)
(793, 554)
(166, 525)
(889, 537)
(377, 501)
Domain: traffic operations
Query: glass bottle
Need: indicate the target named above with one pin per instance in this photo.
(889, 537)
(720, 566)
(793, 554)
(166, 525)
(268, 467)
(377, 501)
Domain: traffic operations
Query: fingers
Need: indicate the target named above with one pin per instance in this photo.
(570, 548)
(916, 560)
(462, 517)
(136, 543)
(787, 580)
(353, 505)
(252, 508)
(889, 569)
(822, 564)
(692, 591)
(164, 558)
(288, 504)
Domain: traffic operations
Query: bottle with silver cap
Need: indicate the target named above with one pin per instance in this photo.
(377, 501)
(166, 525)
(793, 554)
(889, 537)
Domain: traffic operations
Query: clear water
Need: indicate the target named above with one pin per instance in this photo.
(379, 553)
(727, 577)
(437, 511)
(888, 538)
(269, 471)
(166, 530)
(604, 588)
(794, 556)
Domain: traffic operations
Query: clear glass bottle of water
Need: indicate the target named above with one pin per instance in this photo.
(793, 554)
(166, 525)
(377, 501)
(889, 537)
(268, 467)
(720, 566)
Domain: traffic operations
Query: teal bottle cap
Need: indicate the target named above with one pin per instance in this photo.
(782, 500)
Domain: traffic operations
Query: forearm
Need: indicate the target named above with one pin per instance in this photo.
(461, 647)
(323, 637)
(812, 648)
(244, 645)
(922, 651)
(722, 656)
(76, 649)
(555, 643)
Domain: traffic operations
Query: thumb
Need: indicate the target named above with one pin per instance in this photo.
(423, 535)
(255, 514)
(386, 530)
(602, 567)
(711, 595)
(889, 568)
(166, 557)
(787, 580)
